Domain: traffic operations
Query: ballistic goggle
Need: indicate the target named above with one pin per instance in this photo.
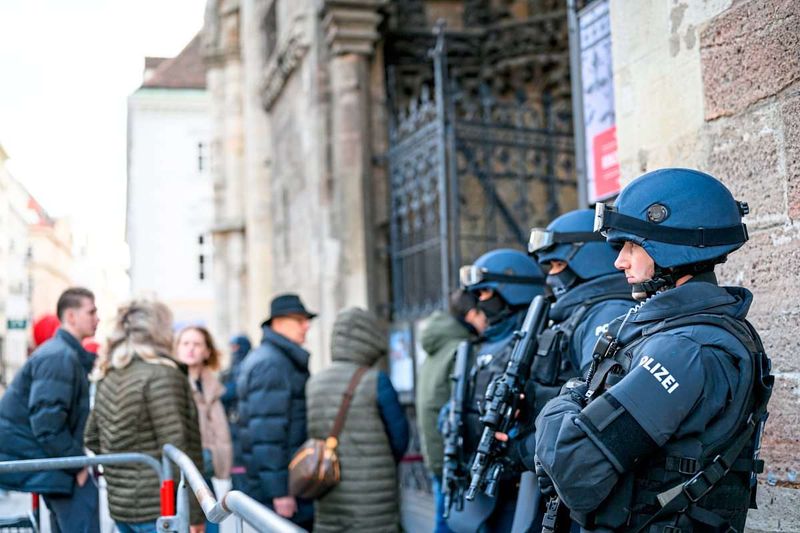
(470, 275)
(541, 239)
(607, 218)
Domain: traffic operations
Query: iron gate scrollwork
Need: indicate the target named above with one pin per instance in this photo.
(470, 172)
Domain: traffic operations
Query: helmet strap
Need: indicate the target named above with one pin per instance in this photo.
(666, 278)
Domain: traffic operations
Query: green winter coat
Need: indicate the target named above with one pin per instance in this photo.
(366, 499)
(140, 408)
(440, 338)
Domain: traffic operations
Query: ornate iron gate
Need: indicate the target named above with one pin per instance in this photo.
(470, 173)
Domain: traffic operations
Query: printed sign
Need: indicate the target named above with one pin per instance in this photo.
(401, 362)
(597, 91)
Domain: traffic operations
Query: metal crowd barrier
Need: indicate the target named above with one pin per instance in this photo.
(244, 508)
(235, 503)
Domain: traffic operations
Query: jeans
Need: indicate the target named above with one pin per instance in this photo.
(138, 527)
(440, 526)
(77, 513)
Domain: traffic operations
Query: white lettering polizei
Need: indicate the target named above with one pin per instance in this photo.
(659, 372)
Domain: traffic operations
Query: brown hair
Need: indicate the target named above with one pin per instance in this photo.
(72, 298)
(213, 361)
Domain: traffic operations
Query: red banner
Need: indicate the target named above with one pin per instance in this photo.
(606, 163)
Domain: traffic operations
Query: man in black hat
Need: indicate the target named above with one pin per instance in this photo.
(272, 407)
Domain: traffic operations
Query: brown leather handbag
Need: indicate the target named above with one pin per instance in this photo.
(314, 469)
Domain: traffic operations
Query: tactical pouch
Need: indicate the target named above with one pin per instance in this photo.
(546, 365)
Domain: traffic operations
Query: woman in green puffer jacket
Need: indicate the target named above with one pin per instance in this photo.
(143, 402)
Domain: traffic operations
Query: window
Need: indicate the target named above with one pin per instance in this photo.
(201, 157)
(270, 29)
(201, 258)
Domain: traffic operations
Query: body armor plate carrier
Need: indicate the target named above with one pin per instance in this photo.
(689, 485)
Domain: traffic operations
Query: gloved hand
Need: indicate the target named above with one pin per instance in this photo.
(515, 452)
(576, 390)
(546, 486)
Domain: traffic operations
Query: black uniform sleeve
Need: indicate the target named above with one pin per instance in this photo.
(582, 474)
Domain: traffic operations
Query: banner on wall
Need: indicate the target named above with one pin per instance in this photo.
(597, 95)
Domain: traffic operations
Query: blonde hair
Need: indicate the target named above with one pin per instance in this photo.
(142, 328)
(213, 361)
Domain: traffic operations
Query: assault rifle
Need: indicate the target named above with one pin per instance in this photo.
(453, 475)
(502, 401)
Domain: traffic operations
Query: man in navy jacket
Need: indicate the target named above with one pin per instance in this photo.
(43, 414)
(272, 408)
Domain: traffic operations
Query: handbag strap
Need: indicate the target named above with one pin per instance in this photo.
(338, 424)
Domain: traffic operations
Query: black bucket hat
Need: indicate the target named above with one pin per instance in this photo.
(287, 304)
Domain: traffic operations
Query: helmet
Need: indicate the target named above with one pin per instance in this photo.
(510, 273)
(679, 216)
(570, 238)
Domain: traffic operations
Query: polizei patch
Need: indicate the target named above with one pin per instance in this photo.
(659, 372)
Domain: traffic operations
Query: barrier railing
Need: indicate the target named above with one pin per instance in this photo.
(174, 519)
(81, 461)
(244, 508)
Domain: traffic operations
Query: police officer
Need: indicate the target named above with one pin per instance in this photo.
(589, 293)
(664, 435)
(505, 282)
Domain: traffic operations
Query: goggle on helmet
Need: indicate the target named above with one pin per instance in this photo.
(542, 239)
(608, 218)
(471, 275)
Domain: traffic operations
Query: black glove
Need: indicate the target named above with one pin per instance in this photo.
(546, 486)
(576, 389)
(515, 452)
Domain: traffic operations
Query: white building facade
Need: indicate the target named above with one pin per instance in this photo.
(169, 201)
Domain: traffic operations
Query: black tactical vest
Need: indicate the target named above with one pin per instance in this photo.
(691, 485)
(551, 367)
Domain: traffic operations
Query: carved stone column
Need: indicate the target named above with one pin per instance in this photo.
(222, 54)
(351, 35)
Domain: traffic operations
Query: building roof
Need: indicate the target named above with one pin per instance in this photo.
(154, 62)
(184, 71)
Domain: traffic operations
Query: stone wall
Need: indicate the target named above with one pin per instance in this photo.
(224, 81)
(296, 174)
(716, 85)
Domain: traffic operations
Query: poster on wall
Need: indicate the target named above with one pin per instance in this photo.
(401, 362)
(597, 91)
